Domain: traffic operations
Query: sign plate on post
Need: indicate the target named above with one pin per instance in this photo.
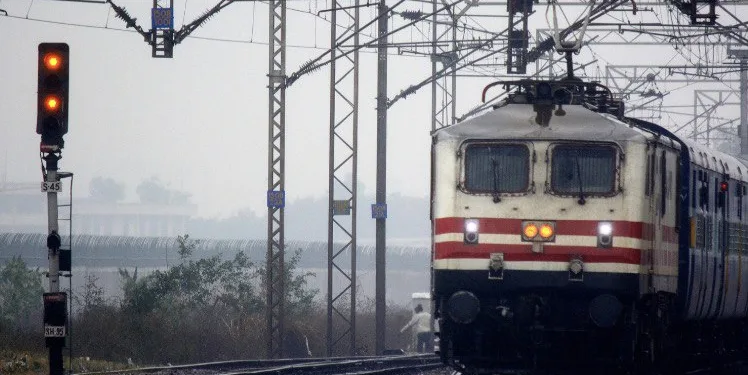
(276, 199)
(52, 187)
(54, 331)
(55, 318)
(379, 211)
(341, 207)
(162, 18)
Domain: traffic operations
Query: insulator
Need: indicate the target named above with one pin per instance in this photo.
(411, 14)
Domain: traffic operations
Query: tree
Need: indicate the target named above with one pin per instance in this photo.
(106, 189)
(20, 292)
(193, 284)
(299, 298)
(154, 191)
(91, 296)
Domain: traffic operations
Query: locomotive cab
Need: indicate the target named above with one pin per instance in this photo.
(544, 230)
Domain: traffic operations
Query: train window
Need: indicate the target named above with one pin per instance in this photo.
(693, 190)
(716, 194)
(586, 169)
(704, 192)
(739, 195)
(651, 173)
(500, 168)
(648, 180)
(663, 183)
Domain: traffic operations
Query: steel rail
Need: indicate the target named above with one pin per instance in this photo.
(370, 365)
(225, 365)
(361, 365)
(399, 370)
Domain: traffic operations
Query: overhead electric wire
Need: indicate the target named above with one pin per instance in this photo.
(315, 64)
(213, 39)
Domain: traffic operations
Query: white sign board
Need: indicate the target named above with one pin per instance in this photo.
(52, 187)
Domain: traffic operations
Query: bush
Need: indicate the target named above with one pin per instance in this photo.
(194, 311)
(20, 306)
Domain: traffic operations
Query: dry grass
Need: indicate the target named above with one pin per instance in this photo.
(23, 363)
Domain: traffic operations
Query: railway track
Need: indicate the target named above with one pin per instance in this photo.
(386, 365)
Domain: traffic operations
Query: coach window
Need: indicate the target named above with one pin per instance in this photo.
(583, 169)
(497, 168)
(739, 196)
(649, 181)
(694, 192)
(716, 194)
(663, 184)
(705, 195)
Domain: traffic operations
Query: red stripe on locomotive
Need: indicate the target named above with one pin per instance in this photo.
(458, 250)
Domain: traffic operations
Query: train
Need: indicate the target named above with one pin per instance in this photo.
(567, 235)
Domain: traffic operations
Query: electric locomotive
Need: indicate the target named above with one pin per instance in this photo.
(564, 233)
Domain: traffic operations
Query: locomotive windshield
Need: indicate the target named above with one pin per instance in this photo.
(496, 168)
(583, 169)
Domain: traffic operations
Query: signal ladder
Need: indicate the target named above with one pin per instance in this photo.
(65, 226)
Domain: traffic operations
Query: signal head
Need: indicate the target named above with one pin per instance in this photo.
(53, 61)
(52, 104)
(53, 93)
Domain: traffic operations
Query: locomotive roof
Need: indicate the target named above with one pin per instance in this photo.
(718, 161)
(517, 121)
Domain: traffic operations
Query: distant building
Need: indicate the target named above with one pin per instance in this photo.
(23, 209)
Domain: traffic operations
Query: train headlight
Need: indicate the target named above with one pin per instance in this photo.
(546, 231)
(605, 234)
(472, 227)
(463, 307)
(530, 230)
(538, 231)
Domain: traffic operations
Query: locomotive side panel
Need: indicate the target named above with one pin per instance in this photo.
(661, 177)
(717, 283)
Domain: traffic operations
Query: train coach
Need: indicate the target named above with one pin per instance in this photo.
(565, 233)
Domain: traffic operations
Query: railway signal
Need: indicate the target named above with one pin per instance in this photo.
(53, 94)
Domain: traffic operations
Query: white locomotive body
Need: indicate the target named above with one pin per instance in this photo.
(566, 232)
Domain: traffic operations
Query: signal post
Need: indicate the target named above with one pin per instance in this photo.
(52, 124)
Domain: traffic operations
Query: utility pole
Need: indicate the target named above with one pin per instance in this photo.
(343, 159)
(743, 108)
(742, 56)
(54, 242)
(743, 129)
(379, 211)
(276, 194)
(52, 124)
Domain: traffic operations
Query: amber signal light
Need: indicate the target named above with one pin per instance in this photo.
(530, 231)
(538, 231)
(546, 231)
(52, 61)
(52, 103)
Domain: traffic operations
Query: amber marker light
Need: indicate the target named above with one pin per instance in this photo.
(546, 231)
(52, 61)
(52, 103)
(530, 231)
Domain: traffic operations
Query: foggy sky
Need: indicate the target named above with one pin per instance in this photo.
(199, 121)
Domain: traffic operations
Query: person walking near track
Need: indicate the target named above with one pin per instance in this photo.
(421, 323)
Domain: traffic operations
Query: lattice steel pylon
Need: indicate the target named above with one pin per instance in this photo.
(444, 51)
(341, 223)
(162, 38)
(708, 120)
(275, 269)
